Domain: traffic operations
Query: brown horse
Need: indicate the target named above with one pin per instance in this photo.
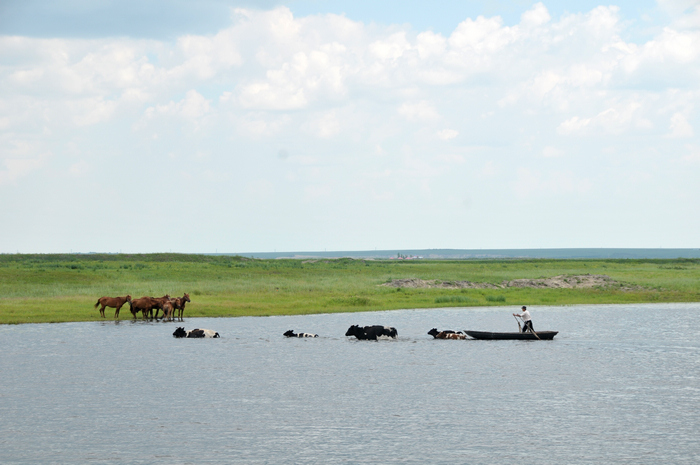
(147, 304)
(158, 303)
(168, 310)
(114, 302)
(179, 304)
(142, 304)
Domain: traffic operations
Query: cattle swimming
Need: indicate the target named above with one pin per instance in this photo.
(291, 333)
(446, 334)
(372, 333)
(207, 333)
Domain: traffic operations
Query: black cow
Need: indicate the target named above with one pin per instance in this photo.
(447, 334)
(291, 333)
(180, 332)
(372, 333)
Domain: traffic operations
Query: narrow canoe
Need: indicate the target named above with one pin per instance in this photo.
(543, 335)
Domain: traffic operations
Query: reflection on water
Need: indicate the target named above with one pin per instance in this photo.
(618, 384)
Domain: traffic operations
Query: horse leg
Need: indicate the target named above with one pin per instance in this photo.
(102, 311)
(116, 312)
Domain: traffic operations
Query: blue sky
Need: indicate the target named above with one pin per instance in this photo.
(328, 125)
(136, 18)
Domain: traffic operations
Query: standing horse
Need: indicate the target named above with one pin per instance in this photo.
(179, 304)
(168, 310)
(158, 303)
(115, 302)
(147, 304)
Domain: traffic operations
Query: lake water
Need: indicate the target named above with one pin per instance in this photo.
(619, 384)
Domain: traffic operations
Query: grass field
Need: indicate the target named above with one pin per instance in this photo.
(58, 288)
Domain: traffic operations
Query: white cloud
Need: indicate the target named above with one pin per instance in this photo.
(447, 134)
(19, 158)
(551, 152)
(418, 111)
(391, 48)
(325, 126)
(192, 109)
(680, 127)
(430, 45)
(535, 17)
(616, 119)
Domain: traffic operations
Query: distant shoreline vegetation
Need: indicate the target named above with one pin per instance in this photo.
(480, 254)
(41, 288)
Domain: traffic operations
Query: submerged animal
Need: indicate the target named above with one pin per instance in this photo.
(372, 333)
(291, 333)
(207, 333)
(447, 334)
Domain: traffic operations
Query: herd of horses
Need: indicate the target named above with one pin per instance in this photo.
(146, 305)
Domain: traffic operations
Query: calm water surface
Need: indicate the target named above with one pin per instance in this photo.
(618, 384)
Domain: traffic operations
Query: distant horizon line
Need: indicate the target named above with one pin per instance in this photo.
(443, 253)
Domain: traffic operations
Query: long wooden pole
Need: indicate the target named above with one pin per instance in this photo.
(532, 330)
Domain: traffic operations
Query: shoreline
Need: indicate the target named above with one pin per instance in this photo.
(51, 289)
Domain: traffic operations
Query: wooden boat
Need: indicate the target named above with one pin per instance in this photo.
(543, 335)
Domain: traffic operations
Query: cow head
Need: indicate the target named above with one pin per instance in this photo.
(180, 332)
(433, 332)
(289, 333)
(354, 330)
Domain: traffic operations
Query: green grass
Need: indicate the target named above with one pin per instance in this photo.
(54, 288)
(457, 299)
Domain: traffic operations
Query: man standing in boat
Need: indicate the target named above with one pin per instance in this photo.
(527, 319)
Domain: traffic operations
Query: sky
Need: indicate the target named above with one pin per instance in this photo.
(263, 126)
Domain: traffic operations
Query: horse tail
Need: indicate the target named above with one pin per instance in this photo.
(98, 303)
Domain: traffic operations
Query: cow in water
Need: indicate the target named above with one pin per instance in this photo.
(206, 333)
(447, 334)
(372, 333)
(291, 333)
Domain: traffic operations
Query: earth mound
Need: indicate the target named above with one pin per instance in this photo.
(585, 281)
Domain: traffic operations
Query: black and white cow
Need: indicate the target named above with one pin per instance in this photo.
(372, 332)
(180, 332)
(291, 333)
(446, 334)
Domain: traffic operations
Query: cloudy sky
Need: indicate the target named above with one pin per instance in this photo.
(260, 126)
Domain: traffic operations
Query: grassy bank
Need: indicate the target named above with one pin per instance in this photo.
(55, 288)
